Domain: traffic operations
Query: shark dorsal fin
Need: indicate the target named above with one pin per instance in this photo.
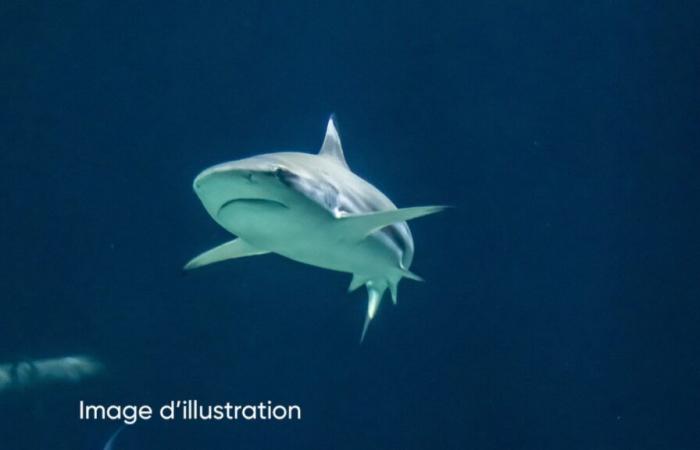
(332, 147)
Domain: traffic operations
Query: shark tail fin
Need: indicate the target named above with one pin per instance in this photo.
(375, 293)
(360, 226)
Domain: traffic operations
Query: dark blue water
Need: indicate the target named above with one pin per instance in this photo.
(561, 303)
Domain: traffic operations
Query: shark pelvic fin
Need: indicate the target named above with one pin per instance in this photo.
(331, 144)
(357, 281)
(393, 288)
(375, 293)
(236, 248)
(359, 226)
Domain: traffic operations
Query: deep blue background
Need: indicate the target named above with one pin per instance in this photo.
(561, 303)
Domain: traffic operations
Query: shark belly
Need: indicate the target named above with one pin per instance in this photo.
(368, 257)
(305, 233)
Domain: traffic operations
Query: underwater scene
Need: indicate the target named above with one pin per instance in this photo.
(349, 225)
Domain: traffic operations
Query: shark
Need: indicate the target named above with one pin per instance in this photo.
(313, 209)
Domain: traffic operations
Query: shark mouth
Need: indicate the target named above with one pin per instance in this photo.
(252, 201)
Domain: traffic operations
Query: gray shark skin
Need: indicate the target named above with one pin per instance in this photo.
(313, 209)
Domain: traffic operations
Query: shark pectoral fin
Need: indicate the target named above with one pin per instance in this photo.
(375, 298)
(361, 225)
(236, 248)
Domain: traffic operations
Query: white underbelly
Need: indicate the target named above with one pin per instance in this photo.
(307, 235)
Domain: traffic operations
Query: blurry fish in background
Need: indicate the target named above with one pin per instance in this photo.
(29, 374)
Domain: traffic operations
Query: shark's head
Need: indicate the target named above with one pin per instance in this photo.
(250, 180)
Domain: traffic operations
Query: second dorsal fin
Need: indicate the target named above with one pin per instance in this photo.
(332, 147)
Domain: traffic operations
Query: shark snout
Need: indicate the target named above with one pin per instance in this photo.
(199, 181)
(220, 185)
(239, 173)
(218, 177)
(212, 177)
